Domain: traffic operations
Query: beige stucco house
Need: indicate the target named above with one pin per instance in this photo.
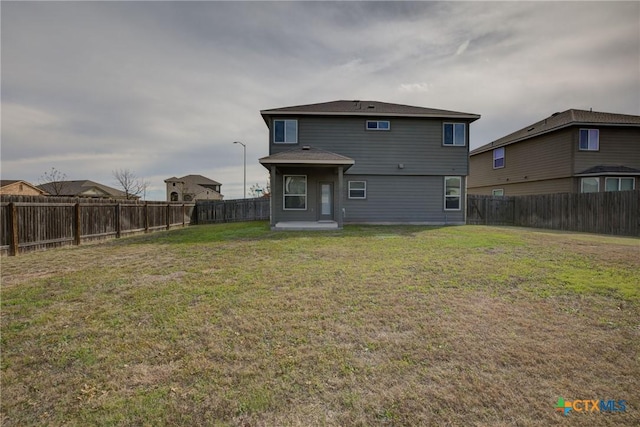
(190, 188)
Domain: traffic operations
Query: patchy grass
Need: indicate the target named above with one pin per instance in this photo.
(237, 325)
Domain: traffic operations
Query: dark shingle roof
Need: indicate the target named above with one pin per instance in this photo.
(308, 156)
(559, 121)
(602, 169)
(366, 108)
(76, 188)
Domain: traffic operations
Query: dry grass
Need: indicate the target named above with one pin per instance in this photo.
(236, 325)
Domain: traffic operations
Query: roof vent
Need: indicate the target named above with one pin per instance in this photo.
(554, 114)
(371, 106)
(306, 147)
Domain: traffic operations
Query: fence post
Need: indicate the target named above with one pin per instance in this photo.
(146, 217)
(13, 229)
(77, 223)
(184, 213)
(118, 232)
(168, 216)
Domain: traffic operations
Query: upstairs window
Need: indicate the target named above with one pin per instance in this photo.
(454, 134)
(619, 184)
(285, 131)
(378, 125)
(357, 189)
(498, 158)
(589, 140)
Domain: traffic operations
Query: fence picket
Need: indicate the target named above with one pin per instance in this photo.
(605, 213)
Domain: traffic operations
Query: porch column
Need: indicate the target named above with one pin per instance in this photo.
(272, 179)
(339, 216)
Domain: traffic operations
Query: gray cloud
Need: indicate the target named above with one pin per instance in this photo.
(164, 88)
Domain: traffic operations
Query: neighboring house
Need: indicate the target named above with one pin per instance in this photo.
(84, 188)
(19, 188)
(575, 151)
(190, 188)
(366, 162)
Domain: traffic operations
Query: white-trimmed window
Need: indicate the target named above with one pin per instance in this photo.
(452, 193)
(498, 158)
(295, 192)
(589, 140)
(285, 131)
(589, 185)
(619, 184)
(497, 192)
(378, 125)
(454, 134)
(357, 189)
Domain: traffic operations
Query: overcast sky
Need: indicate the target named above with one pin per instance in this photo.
(164, 88)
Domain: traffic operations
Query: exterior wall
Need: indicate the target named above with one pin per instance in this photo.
(314, 177)
(545, 164)
(414, 143)
(195, 191)
(547, 186)
(20, 189)
(618, 146)
(401, 199)
(547, 157)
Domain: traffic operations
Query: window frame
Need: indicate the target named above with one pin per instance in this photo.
(495, 190)
(357, 189)
(285, 195)
(449, 197)
(453, 134)
(284, 141)
(620, 178)
(582, 180)
(588, 133)
(503, 158)
(377, 122)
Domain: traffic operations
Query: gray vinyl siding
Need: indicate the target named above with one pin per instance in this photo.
(414, 143)
(314, 177)
(401, 199)
(618, 146)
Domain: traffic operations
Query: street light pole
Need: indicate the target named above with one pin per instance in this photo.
(244, 185)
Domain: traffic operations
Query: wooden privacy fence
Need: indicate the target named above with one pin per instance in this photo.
(614, 212)
(38, 223)
(216, 211)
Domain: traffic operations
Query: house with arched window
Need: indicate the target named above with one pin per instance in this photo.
(190, 188)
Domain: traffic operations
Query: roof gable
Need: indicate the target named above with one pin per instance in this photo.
(9, 184)
(559, 121)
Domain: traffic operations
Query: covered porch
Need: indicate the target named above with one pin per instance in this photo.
(306, 188)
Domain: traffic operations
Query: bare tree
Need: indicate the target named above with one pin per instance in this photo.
(54, 181)
(131, 184)
(257, 191)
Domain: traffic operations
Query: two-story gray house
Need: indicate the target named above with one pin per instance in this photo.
(575, 151)
(366, 162)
